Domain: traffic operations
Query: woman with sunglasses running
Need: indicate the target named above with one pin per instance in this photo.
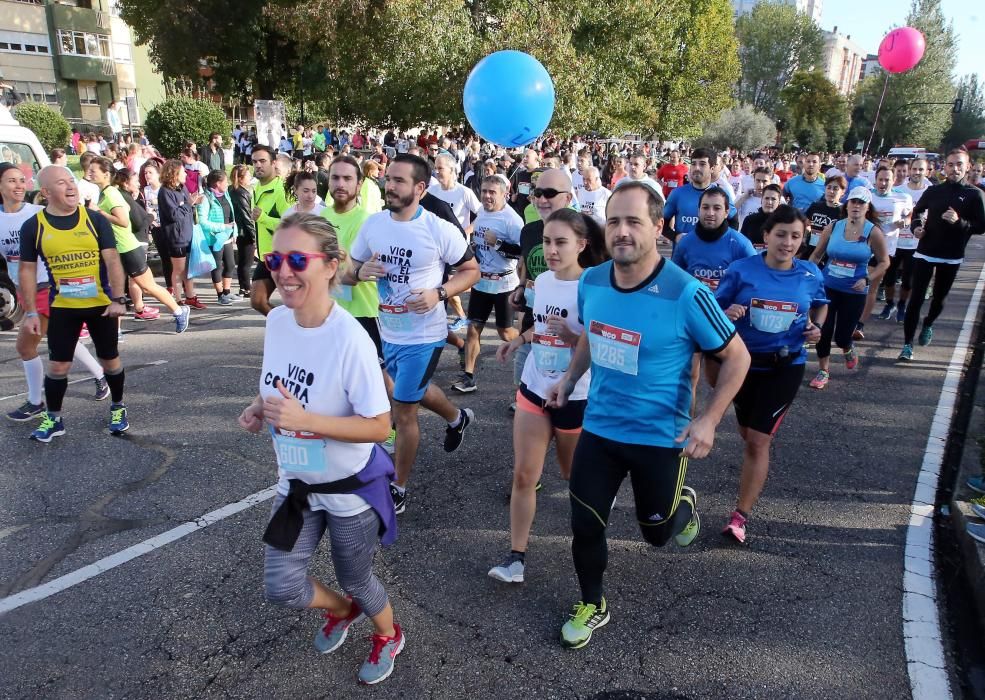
(777, 303)
(572, 242)
(322, 398)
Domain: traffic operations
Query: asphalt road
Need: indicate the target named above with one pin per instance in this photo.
(811, 608)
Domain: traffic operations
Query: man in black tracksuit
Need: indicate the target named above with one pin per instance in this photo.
(954, 212)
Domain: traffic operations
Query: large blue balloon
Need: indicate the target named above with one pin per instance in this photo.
(509, 98)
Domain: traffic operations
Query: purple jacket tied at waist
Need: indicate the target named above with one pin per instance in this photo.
(372, 483)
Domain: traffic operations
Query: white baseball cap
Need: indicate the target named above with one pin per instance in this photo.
(861, 193)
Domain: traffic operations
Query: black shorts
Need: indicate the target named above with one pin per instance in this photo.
(178, 251)
(65, 325)
(481, 304)
(766, 396)
(568, 418)
(134, 261)
(261, 273)
(372, 327)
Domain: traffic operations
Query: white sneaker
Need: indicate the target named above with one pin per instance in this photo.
(510, 571)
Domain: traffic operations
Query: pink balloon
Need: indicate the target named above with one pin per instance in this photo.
(901, 49)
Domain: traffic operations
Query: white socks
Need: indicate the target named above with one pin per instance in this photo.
(83, 355)
(34, 372)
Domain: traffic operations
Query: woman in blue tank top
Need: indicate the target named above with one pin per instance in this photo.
(857, 257)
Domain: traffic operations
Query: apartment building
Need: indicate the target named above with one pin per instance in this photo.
(76, 55)
(843, 61)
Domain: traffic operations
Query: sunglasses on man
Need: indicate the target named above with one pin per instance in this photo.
(547, 192)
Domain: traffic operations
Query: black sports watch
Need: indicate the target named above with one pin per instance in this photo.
(442, 294)
(120, 300)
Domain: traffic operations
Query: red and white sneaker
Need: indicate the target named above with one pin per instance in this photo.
(821, 380)
(148, 313)
(736, 527)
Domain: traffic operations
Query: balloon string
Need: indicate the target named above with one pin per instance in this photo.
(875, 121)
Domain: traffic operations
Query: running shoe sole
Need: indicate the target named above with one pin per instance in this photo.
(400, 648)
(119, 431)
(464, 389)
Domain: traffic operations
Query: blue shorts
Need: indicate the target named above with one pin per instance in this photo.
(411, 367)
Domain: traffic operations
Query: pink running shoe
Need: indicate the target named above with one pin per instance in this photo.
(148, 313)
(84, 335)
(820, 380)
(736, 527)
(851, 359)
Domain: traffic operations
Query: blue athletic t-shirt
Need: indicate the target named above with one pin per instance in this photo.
(707, 261)
(847, 261)
(683, 203)
(802, 193)
(776, 301)
(642, 341)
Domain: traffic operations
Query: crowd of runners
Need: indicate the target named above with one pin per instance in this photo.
(620, 282)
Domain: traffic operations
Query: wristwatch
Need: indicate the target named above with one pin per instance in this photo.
(442, 294)
(120, 300)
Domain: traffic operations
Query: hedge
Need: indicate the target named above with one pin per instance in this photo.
(47, 124)
(179, 119)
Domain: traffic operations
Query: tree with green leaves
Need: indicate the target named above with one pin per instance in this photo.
(740, 127)
(813, 113)
(48, 124)
(917, 108)
(775, 42)
(404, 63)
(969, 123)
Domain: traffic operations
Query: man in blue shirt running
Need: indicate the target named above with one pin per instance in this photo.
(680, 214)
(644, 318)
(805, 189)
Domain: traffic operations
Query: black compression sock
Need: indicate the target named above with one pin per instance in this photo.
(115, 382)
(519, 556)
(54, 392)
(470, 375)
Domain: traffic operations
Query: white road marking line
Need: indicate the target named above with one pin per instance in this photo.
(921, 622)
(32, 595)
(155, 363)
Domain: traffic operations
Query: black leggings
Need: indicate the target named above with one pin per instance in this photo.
(162, 246)
(598, 469)
(944, 275)
(900, 268)
(244, 262)
(844, 313)
(225, 263)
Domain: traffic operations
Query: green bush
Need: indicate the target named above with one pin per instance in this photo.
(47, 124)
(179, 119)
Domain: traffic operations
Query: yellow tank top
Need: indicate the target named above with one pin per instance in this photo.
(75, 266)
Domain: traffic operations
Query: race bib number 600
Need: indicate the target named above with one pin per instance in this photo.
(614, 348)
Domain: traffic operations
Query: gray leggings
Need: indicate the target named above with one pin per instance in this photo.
(353, 543)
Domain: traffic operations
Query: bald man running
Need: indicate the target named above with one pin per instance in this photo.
(78, 248)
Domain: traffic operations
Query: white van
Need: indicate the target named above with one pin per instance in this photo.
(906, 153)
(19, 145)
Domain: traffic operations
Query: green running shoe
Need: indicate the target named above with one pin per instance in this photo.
(926, 335)
(586, 618)
(390, 444)
(693, 527)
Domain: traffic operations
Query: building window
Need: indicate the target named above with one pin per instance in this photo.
(122, 52)
(38, 92)
(23, 42)
(88, 95)
(84, 44)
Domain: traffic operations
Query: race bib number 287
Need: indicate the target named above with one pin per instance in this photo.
(614, 348)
